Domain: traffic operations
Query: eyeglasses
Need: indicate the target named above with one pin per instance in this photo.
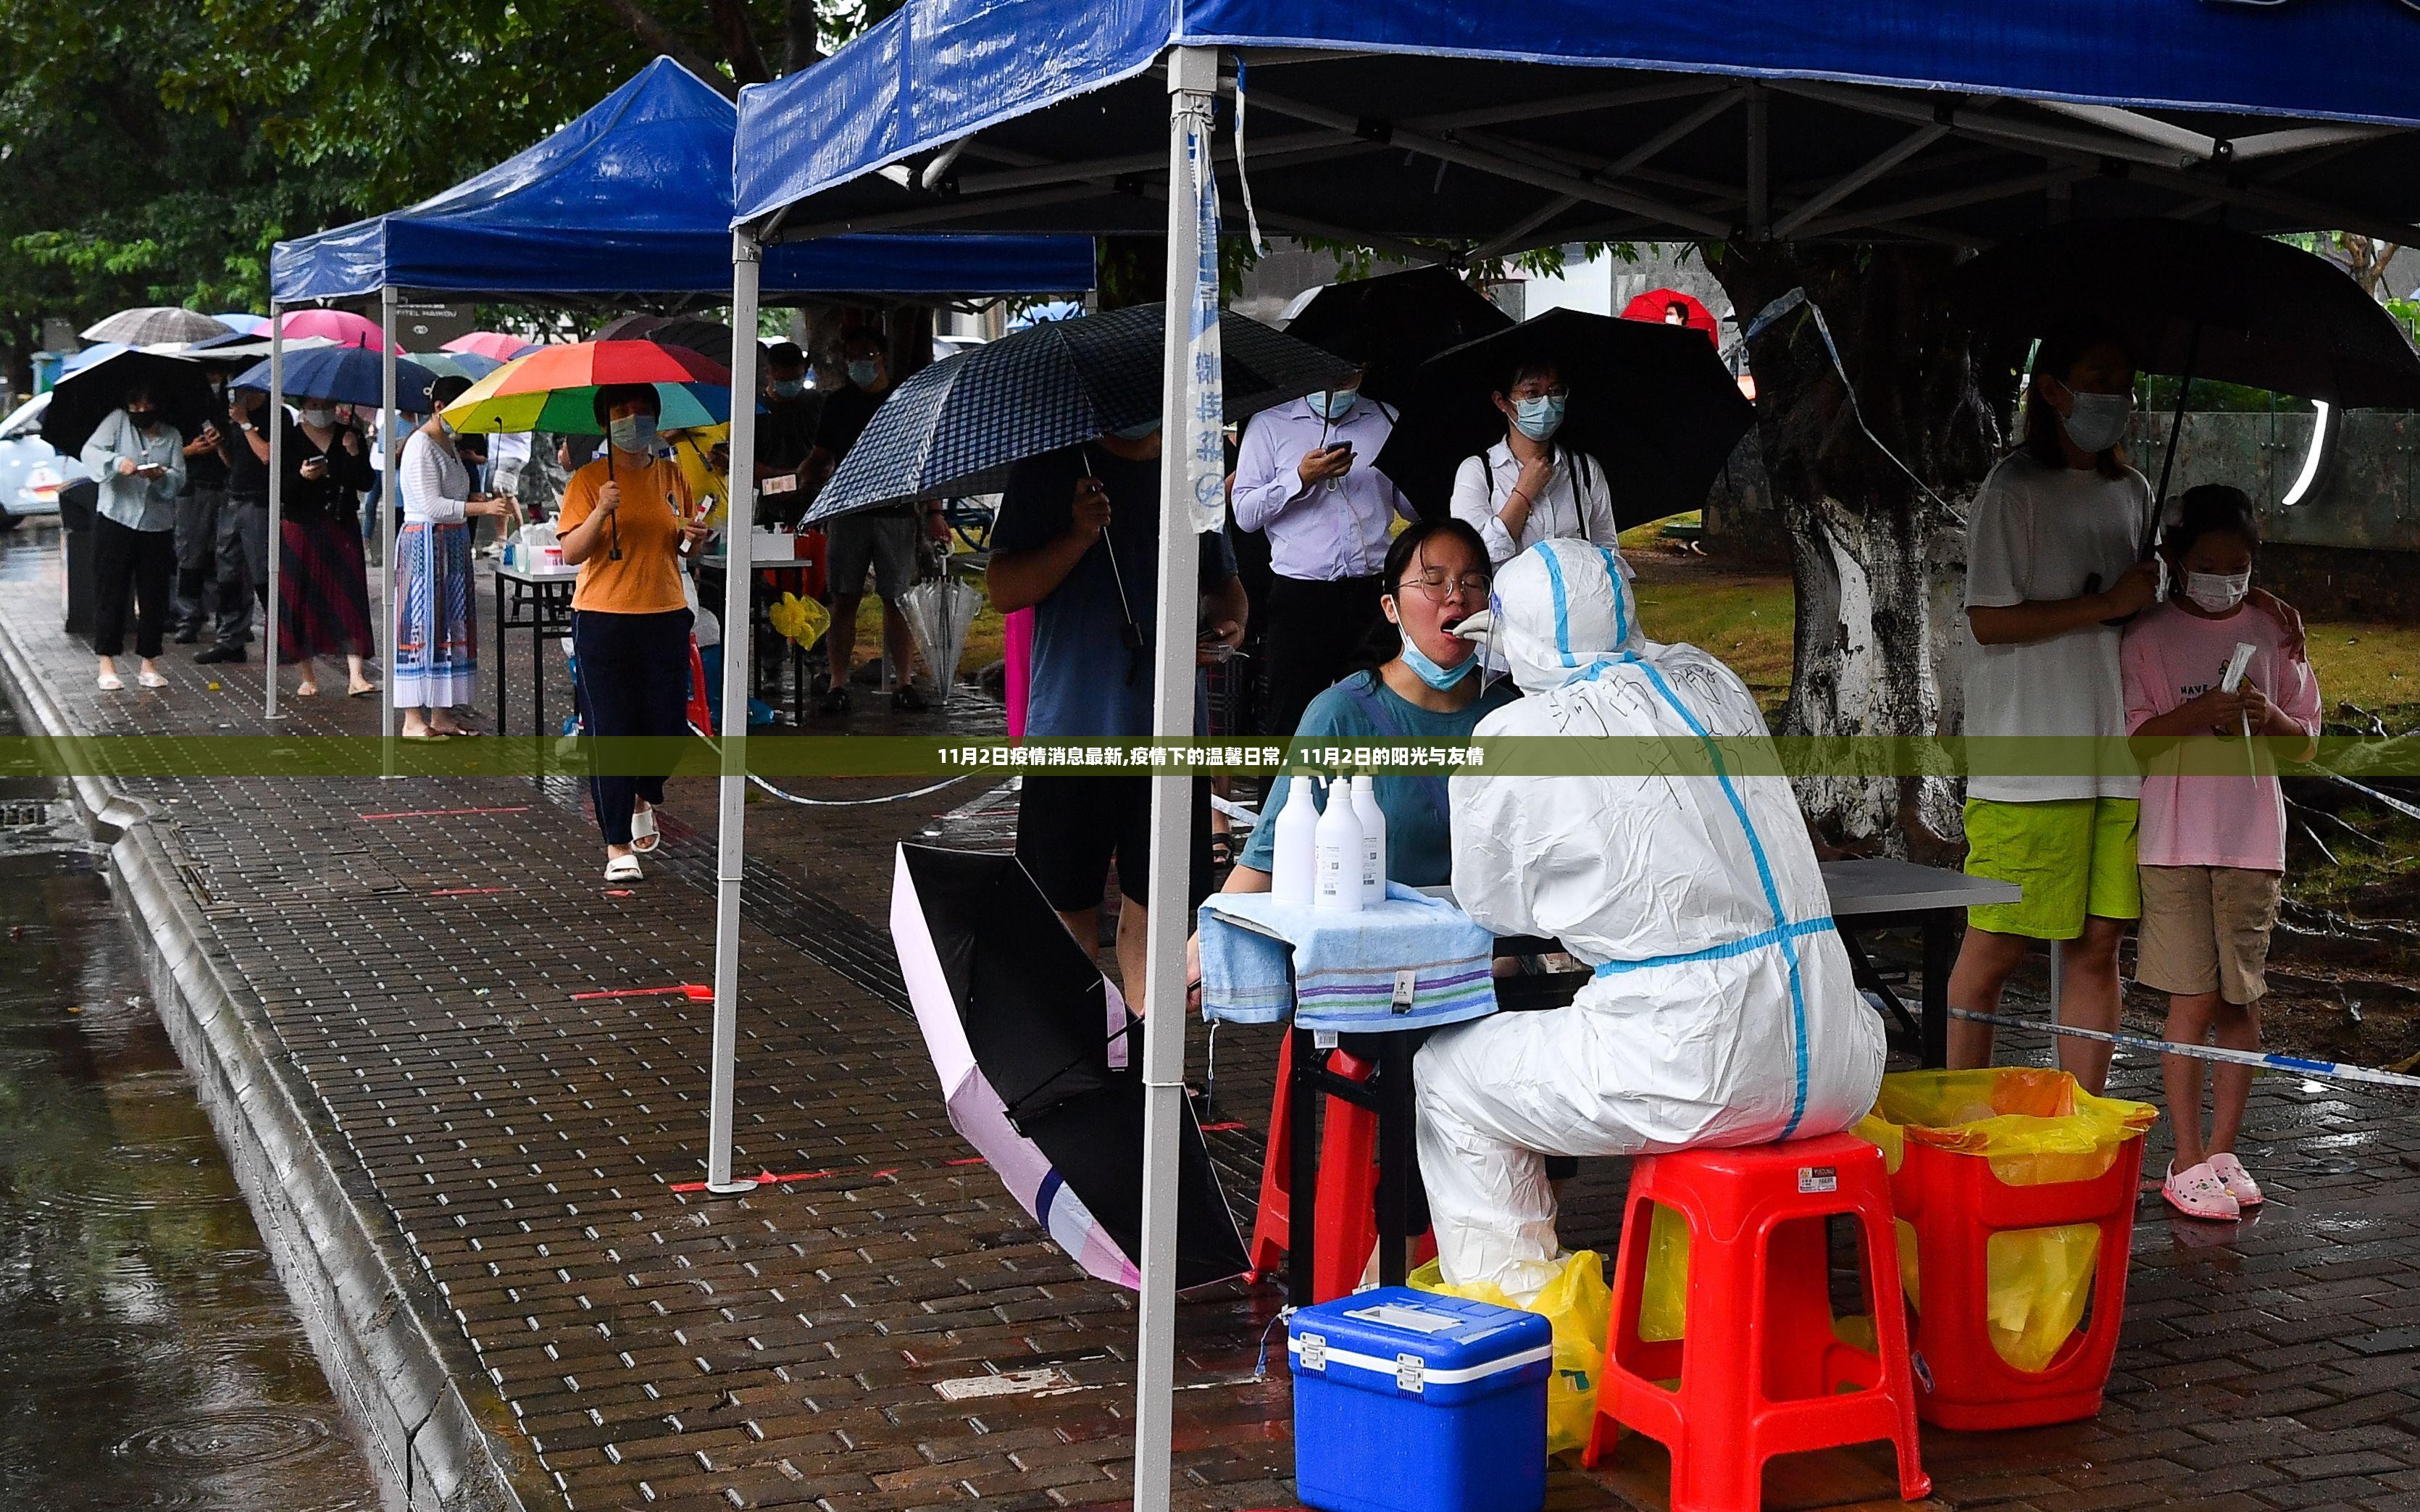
(1529, 392)
(1440, 585)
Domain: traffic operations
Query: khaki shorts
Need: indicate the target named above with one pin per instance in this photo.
(2206, 929)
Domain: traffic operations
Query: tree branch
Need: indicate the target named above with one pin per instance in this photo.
(739, 43)
(670, 43)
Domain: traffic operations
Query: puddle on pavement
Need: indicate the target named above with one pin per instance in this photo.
(148, 1356)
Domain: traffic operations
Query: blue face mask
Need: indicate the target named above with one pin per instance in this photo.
(633, 433)
(788, 388)
(1430, 672)
(1332, 406)
(1540, 417)
(865, 372)
(1142, 430)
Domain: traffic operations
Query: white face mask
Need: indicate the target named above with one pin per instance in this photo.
(2217, 591)
(2098, 420)
(319, 419)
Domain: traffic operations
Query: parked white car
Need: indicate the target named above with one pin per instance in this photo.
(32, 471)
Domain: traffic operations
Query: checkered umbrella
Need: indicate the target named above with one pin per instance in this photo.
(957, 427)
(154, 323)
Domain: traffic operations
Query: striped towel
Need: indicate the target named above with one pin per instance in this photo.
(1410, 963)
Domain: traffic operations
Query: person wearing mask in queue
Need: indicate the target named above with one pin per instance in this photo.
(785, 432)
(1306, 477)
(436, 633)
(140, 460)
(211, 582)
(1525, 489)
(626, 523)
(1078, 540)
(2057, 559)
(881, 540)
(323, 603)
(247, 505)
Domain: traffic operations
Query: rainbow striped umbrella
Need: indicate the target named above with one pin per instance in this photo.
(554, 388)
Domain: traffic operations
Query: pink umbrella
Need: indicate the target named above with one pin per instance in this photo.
(342, 327)
(493, 343)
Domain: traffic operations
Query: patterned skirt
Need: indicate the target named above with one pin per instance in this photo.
(323, 591)
(437, 644)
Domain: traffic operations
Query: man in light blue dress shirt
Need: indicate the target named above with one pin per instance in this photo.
(1307, 476)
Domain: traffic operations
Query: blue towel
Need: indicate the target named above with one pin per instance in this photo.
(1349, 969)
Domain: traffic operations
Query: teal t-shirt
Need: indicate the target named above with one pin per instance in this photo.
(1419, 839)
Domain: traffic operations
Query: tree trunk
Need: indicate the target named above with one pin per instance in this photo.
(1876, 558)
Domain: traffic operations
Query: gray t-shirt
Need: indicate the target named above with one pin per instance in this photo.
(2042, 533)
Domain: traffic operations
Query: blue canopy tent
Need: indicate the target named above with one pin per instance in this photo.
(1474, 128)
(630, 204)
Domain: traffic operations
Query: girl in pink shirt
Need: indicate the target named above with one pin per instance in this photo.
(2213, 846)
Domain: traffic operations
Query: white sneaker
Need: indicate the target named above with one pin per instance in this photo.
(2238, 1182)
(2198, 1193)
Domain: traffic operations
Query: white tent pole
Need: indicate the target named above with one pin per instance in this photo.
(388, 496)
(738, 641)
(273, 414)
(1192, 85)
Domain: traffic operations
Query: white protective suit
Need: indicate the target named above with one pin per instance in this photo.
(1722, 1011)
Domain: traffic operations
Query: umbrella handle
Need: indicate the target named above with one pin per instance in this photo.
(2175, 433)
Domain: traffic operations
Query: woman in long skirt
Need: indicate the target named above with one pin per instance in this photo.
(436, 642)
(323, 603)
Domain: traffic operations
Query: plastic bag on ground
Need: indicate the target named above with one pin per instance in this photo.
(2036, 1128)
(1577, 1303)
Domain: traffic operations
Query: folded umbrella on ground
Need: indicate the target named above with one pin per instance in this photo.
(940, 611)
(1651, 404)
(1395, 322)
(153, 323)
(957, 427)
(1039, 1065)
(345, 374)
(2218, 303)
(83, 399)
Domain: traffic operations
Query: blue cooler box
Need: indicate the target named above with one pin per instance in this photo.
(1408, 1401)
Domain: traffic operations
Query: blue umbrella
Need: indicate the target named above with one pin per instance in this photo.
(242, 322)
(345, 374)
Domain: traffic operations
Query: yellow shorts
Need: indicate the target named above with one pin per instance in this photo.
(2074, 857)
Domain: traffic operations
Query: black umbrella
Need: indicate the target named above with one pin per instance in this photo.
(1651, 404)
(84, 398)
(957, 427)
(2203, 300)
(694, 331)
(1395, 322)
(1040, 1065)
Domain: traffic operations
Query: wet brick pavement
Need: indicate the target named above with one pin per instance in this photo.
(670, 1349)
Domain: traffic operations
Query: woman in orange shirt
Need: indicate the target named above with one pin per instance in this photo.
(626, 522)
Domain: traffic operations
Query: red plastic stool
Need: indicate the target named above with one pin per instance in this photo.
(1760, 1369)
(1348, 1183)
(1956, 1204)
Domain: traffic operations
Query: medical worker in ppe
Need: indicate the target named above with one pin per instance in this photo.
(1722, 1011)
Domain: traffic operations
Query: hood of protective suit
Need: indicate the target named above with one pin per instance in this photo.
(1559, 607)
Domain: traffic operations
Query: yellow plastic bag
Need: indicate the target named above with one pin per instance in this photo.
(2036, 1128)
(802, 620)
(1577, 1303)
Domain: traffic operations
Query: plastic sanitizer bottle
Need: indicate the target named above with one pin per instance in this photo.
(1374, 839)
(1337, 843)
(1295, 838)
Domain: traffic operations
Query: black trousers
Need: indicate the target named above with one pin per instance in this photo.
(634, 681)
(1315, 630)
(213, 581)
(130, 564)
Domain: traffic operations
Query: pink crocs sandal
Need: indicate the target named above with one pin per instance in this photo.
(2238, 1182)
(2199, 1194)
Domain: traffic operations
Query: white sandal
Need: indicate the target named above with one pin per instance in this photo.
(624, 869)
(110, 683)
(150, 680)
(643, 838)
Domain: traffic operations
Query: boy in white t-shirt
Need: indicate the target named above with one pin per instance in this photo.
(2054, 551)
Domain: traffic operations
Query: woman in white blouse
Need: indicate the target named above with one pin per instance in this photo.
(435, 639)
(1525, 489)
